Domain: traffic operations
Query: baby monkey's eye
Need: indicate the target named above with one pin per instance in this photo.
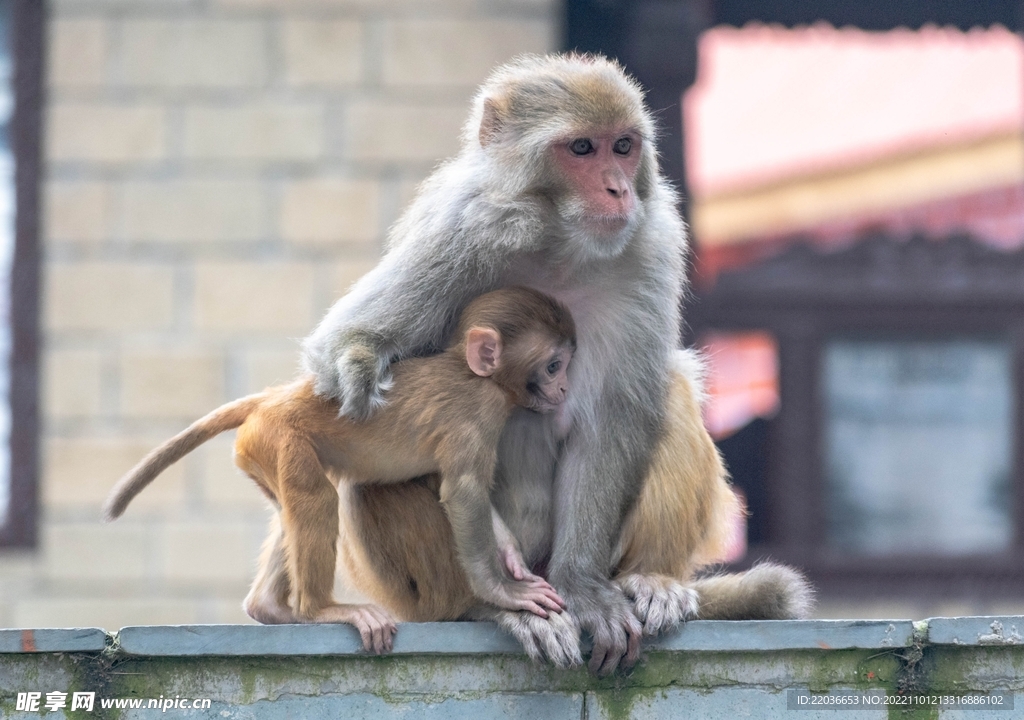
(554, 366)
(623, 145)
(581, 146)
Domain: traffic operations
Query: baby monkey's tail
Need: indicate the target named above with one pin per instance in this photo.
(226, 417)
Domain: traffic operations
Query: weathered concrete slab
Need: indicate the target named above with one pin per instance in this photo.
(721, 702)
(238, 640)
(993, 630)
(235, 640)
(461, 637)
(755, 635)
(487, 638)
(247, 680)
(536, 706)
(473, 671)
(43, 640)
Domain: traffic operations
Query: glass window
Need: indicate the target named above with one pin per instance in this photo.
(918, 446)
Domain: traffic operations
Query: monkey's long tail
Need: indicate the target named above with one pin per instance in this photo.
(767, 591)
(226, 417)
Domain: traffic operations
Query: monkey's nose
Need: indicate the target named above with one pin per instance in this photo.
(615, 184)
(616, 190)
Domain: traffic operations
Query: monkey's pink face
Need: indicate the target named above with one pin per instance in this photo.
(600, 170)
(549, 385)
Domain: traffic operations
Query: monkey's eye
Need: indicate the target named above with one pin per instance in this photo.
(622, 146)
(554, 366)
(581, 146)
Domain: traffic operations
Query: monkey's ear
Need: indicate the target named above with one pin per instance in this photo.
(491, 122)
(483, 350)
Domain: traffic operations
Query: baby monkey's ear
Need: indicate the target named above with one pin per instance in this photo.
(483, 350)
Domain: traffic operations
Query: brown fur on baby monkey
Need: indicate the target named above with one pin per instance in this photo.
(444, 414)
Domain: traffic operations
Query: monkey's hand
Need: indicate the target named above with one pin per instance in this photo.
(604, 612)
(509, 553)
(511, 595)
(358, 379)
(532, 593)
(555, 638)
(659, 601)
(513, 561)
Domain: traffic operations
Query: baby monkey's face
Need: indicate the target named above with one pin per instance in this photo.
(549, 384)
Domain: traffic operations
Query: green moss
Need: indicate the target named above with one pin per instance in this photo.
(618, 704)
(951, 670)
(920, 712)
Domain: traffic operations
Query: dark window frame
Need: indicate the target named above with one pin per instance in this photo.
(880, 286)
(27, 28)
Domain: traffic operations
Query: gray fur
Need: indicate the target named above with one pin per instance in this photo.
(488, 219)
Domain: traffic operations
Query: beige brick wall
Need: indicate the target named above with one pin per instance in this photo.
(217, 172)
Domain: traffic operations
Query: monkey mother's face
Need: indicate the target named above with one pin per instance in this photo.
(598, 171)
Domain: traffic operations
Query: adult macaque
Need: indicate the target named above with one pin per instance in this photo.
(445, 415)
(556, 187)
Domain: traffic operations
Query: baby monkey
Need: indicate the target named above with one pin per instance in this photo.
(444, 414)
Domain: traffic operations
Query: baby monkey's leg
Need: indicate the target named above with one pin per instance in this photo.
(309, 519)
(267, 601)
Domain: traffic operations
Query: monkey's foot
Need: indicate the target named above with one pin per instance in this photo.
(607, 615)
(555, 638)
(659, 601)
(375, 625)
(266, 609)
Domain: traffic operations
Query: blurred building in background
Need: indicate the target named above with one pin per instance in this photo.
(854, 195)
(829, 134)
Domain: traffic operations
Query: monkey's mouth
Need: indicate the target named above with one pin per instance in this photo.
(609, 223)
(545, 406)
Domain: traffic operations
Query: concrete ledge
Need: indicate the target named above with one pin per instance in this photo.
(48, 640)
(456, 638)
(763, 635)
(994, 630)
(473, 670)
(466, 638)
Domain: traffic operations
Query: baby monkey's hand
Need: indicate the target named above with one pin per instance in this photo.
(542, 593)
